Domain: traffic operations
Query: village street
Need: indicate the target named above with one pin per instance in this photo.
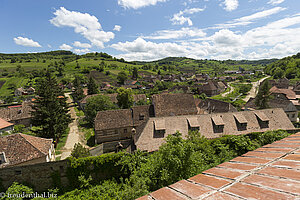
(253, 92)
(231, 90)
(74, 135)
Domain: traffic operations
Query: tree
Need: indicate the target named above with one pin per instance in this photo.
(122, 77)
(263, 95)
(125, 98)
(278, 73)
(92, 86)
(79, 151)
(95, 104)
(135, 73)
(78, 92)
(50, 110)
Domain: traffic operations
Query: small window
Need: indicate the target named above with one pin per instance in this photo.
(125, 130)
(141, 117)
(18, 172)
(293, 115)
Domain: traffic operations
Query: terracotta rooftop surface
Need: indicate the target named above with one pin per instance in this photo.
(269, 172)
(4, 124)
(20, 148)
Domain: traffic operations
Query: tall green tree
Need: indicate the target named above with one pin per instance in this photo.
(122, 77)
(125, 98)
(135, 73)
(95, 104)
(50, 110)
(78, 92)
(263, 96)
(92, 86)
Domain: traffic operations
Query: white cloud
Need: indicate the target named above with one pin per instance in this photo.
(82, 45)
(178, 18)
(140, 49)
(250, 18)
(275, 2)
(136, 4)
(26, 42)
(81, 51)
(274, 40)
(226, 37)
(176, 34)
(84, 24)
(230, 5)
(117, 28)
(65, 47)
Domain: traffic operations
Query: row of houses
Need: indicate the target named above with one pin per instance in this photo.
(146, 127)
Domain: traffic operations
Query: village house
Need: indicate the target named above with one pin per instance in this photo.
(277, 101)
(5, 126)
(209, 89)
(210, 126)
(20, 114)
(21, 91)
(115, 126)
(20, 149)
(288, 93)
(209, 106)
(296, 89)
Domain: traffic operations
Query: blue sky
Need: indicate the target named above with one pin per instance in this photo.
(153, 29)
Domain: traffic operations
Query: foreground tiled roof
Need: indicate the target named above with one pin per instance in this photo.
(269, 172)
(19, 148)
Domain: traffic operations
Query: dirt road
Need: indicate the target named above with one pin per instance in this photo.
(254, 89)
(74, 135)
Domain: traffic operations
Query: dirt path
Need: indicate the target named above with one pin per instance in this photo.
(254, 89)
(226, 93)
(74, 135)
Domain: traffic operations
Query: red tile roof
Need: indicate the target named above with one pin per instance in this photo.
(19, 148)
(4, 124)
(260, 174)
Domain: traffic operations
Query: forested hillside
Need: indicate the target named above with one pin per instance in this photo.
(288, 67)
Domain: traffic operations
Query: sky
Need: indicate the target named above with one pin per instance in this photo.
(146, 30)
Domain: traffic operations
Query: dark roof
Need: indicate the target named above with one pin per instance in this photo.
(16, 113)
(210, 86)
(215, 106)
(113, 119)
(173, 104)
(19, 148)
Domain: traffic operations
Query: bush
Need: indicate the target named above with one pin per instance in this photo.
(79, 151)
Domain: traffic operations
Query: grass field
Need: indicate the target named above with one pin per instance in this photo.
(5, 90)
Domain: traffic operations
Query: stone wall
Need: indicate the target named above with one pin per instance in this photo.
(39, 176)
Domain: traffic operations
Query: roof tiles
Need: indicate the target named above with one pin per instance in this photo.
(278, 178)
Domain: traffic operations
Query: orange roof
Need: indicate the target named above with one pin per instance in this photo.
(14, 106)
(4, 124)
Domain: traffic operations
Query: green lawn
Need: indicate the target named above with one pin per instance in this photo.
(17, 81)
(62, 141)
